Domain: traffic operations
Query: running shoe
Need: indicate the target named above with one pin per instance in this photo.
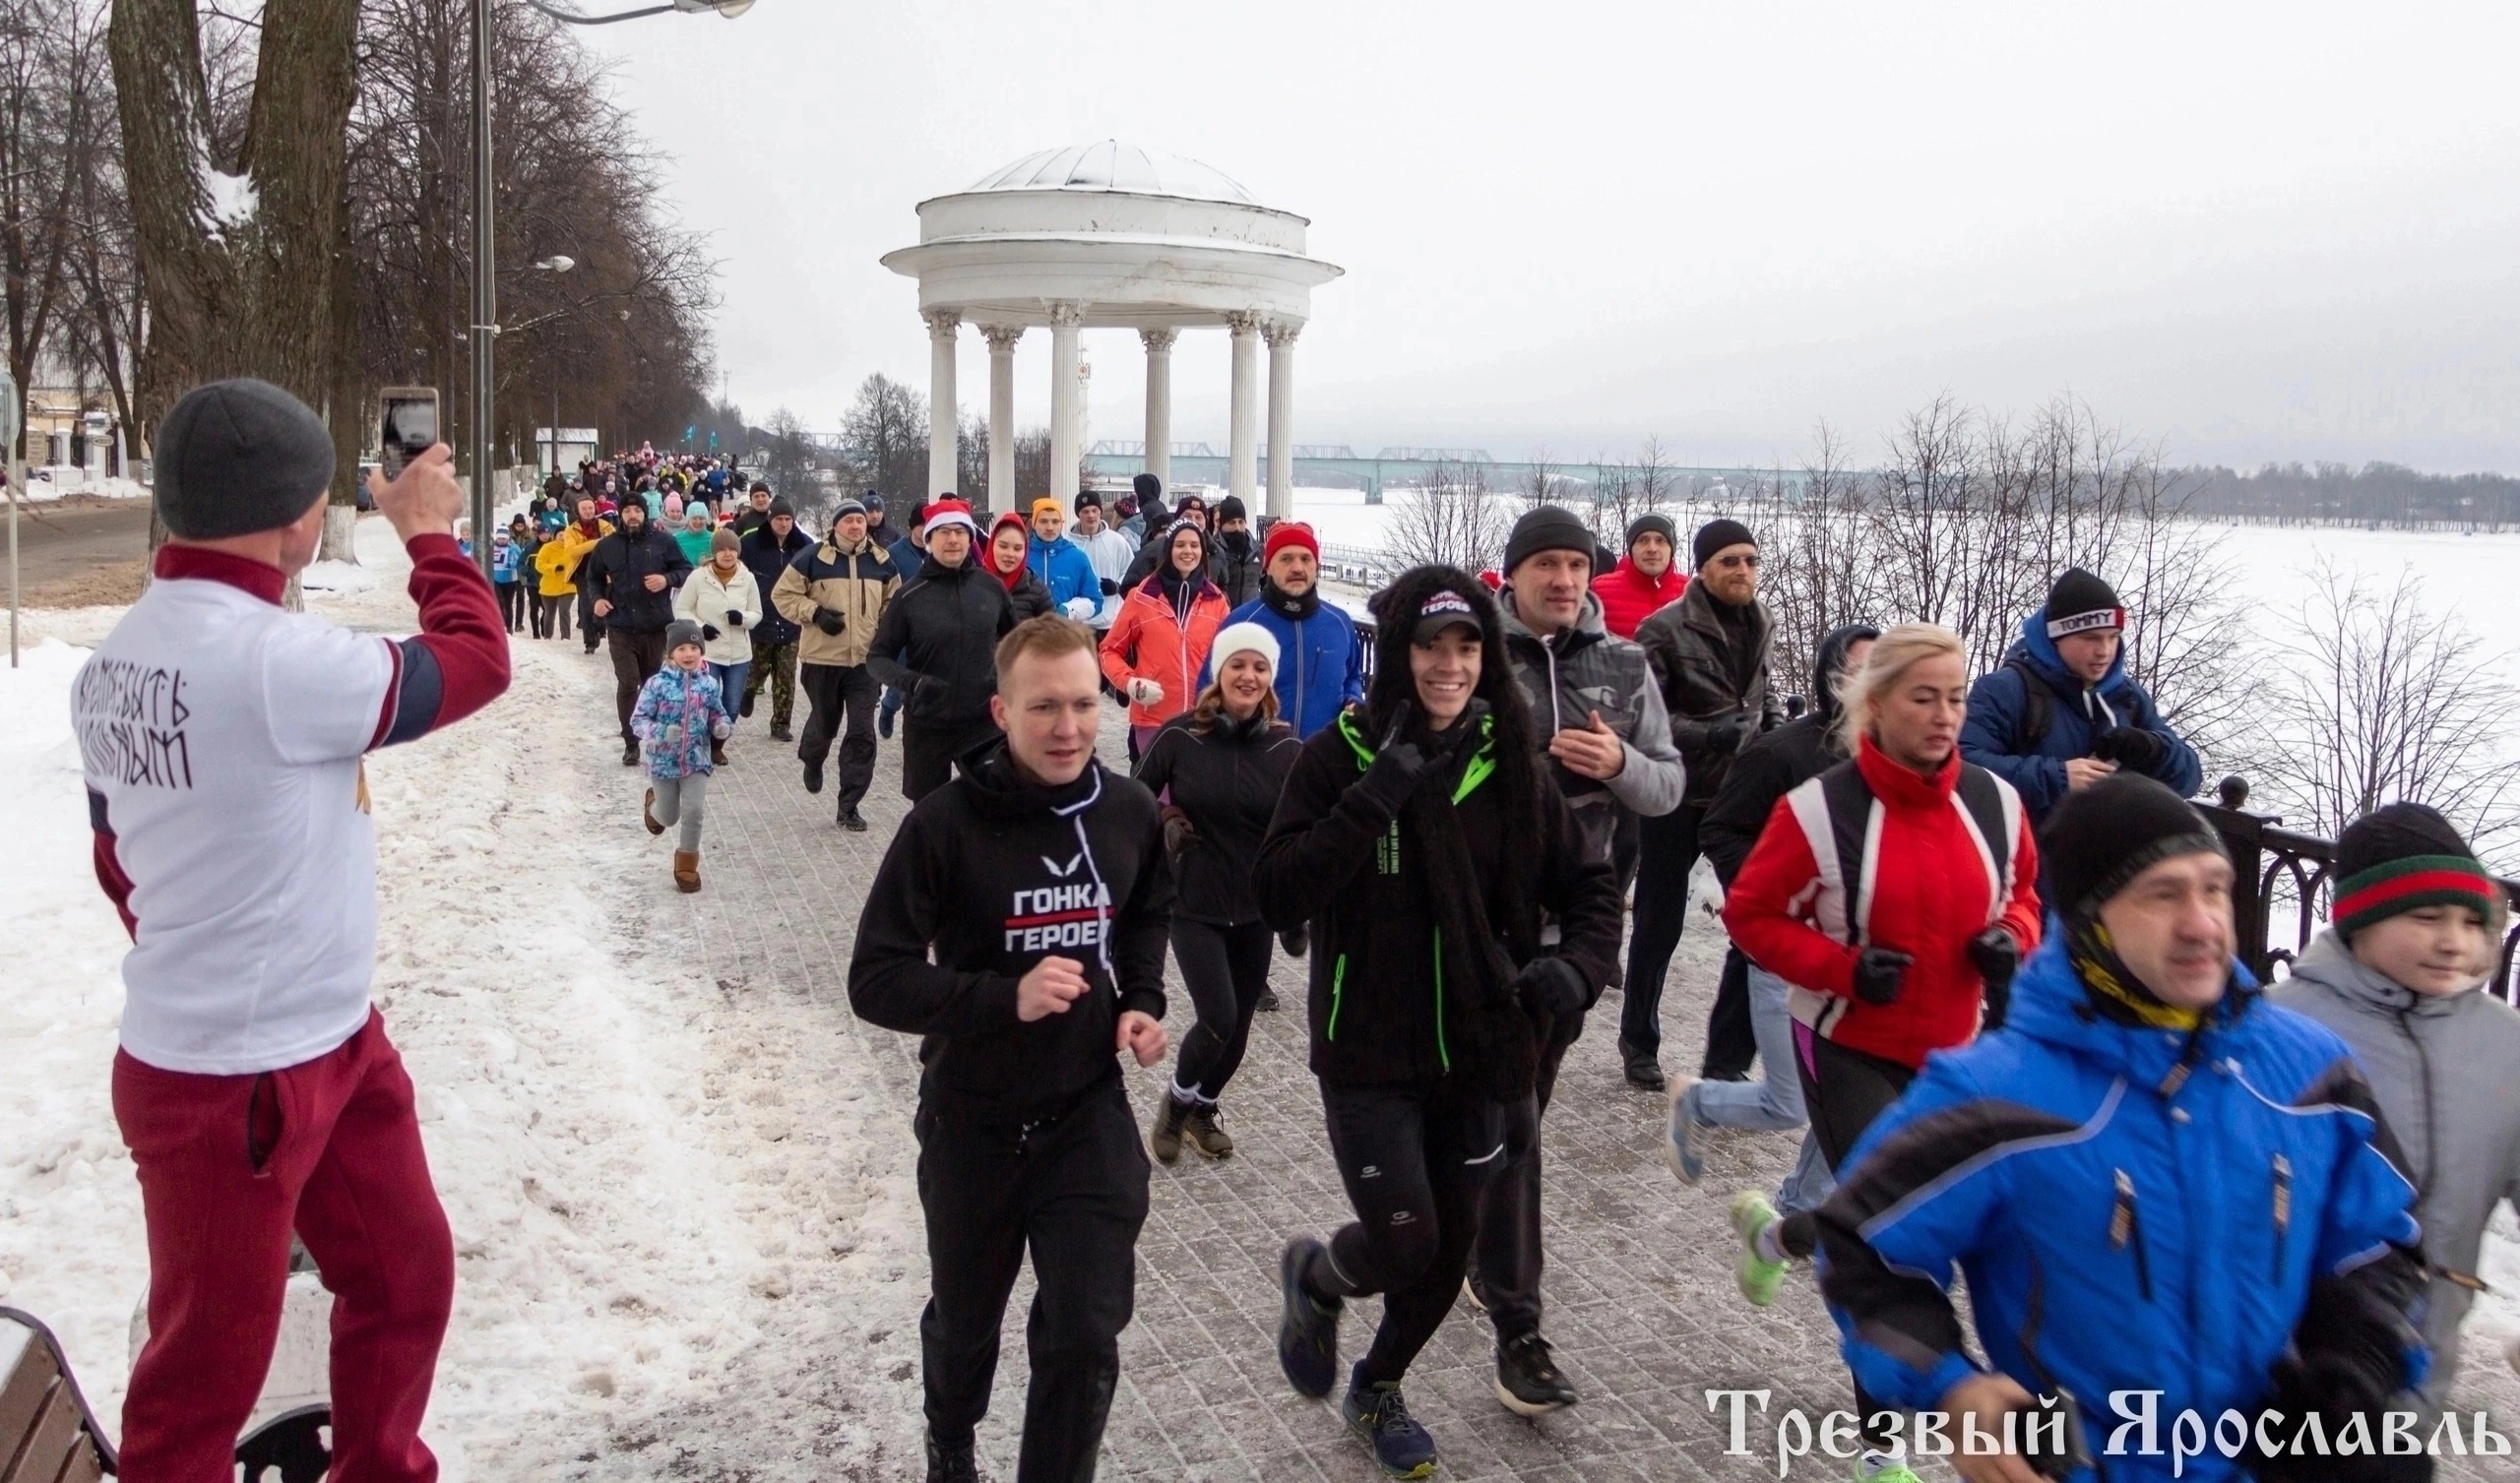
(1884, 1467)
(1402, 1448)
(1308, 1327)
(1528, 1380)
(1759, 1277)
(1684, 1143)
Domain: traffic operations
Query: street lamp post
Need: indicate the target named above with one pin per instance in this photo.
(486, 300)
(557, 263)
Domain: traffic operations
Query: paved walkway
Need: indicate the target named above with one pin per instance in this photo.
(1642, 1309)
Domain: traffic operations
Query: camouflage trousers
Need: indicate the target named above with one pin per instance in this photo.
(775, 663)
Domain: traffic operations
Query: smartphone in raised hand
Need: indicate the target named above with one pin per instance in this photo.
(406, 423)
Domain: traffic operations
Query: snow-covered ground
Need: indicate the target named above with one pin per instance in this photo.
(52, 483)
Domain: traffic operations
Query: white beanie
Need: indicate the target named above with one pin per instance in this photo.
(1234, 637)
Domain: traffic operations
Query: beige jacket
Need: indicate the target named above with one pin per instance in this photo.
(854, 581)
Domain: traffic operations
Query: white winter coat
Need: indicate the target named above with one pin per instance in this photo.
(704, 599)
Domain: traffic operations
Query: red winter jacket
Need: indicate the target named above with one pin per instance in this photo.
(1629, 596)
(1932, 886)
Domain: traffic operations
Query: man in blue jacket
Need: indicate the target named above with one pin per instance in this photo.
(2168, 1195)
(1062, 565)
(1321, 668)
(2060, 713)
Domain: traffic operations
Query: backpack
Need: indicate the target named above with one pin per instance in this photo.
(1844, 804)
(2032, 729)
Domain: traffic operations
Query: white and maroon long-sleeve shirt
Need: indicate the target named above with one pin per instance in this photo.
(221, 737)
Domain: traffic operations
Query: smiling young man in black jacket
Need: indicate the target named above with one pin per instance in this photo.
(1037, 879)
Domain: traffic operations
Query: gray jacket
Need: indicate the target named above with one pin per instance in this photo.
(2443, 1071)
(1585, 669)
(1688, 648)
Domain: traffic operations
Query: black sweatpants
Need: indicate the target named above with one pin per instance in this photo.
(590, 627)
(512, 600)
(1508, 1257)
(1226, 970)
(1073, 1193)
(635, 657)
(1731, 1042)
(838, 694)
(1413, 1159)
(928, 750)
(1667, 852)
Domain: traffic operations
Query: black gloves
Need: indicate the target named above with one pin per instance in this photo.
(1730, 734)
(2129, 747)
(1109, 587)
(1296, 939)
(1996, 958)
(709, 632)
(1551, 986)
(1178, 836)
(1398, 766)
(1880, 973)
(829, 621)
(735, 617)
(2349, 1354)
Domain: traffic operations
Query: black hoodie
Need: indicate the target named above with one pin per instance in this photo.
(937, 642)
(1778, 761)
(1226, 780)
(618, 569)
(995, 874)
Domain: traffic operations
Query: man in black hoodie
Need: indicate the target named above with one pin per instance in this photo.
(633, 573)
(1038, 881)
(936, 644)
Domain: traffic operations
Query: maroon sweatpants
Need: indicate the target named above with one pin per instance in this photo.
(229, 1166)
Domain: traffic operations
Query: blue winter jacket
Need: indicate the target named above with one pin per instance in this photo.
(1066, 570)
(676, 714)
(1321, 667)
(1999, 703)
(2124, 1225)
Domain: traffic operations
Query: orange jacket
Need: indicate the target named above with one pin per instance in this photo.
(1148, 641)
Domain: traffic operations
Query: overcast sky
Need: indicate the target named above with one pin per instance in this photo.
(2253, 232)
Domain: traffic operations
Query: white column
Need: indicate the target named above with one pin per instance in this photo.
(943, 411)
(1158, 400)
(1282, 418)
(1242, 477)
(1065, 320)
(1001, 412)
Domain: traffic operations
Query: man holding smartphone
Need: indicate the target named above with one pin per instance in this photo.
(222, 739)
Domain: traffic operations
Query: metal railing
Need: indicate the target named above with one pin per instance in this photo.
(2278, 869)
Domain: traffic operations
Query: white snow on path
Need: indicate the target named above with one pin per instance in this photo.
(630, 1195)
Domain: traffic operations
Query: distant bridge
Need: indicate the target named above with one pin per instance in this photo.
(1339, 466)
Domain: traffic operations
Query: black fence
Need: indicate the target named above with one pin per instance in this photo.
(2285, 874)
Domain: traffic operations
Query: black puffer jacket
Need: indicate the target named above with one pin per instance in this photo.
(616, 572)
(1236, 573)
(1692, 655)
(937, 643)
(1226, 782)
(996, 874)
(766, 556)
(1778, 762)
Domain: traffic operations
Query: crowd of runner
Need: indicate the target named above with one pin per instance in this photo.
(1982, 955)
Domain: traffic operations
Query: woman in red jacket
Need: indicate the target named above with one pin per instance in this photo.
(1159, 643)
(1896, 892)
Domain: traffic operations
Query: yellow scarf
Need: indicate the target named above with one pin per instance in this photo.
(2096, 963)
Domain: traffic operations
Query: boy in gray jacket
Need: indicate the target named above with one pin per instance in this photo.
(2417, 928)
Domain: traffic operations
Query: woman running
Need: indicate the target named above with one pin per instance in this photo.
(1422, 841)
(1010, 542)
(1218, 767)
(1156, 645)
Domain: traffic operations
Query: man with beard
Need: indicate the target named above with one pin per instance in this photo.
(1235, 567)
(1321, 668)
(633, 573)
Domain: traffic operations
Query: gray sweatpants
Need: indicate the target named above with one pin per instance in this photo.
(684, 798)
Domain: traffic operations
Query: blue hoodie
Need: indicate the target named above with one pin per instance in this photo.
(1321, 667)
(1999, 701)
(2124, 1225)
(1066, 570)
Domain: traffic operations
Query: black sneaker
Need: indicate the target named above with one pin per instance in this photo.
(1308, 1327)
(884, 724)
(813, 777)
(853, 821)
(1526, 1379)
(955, 1465)
(1644, 1071)
(1268, 1004)
(1402, 1448)
(630, 753)
(745, 708)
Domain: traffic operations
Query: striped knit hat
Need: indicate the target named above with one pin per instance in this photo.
(2402, 856)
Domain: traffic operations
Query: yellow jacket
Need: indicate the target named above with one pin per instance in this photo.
(559, 560)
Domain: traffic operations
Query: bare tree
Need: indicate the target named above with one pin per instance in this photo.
(789, 466)
(51, 112)
(2391, 702)
(1032, 463)
(1449, 518)
(886, 432)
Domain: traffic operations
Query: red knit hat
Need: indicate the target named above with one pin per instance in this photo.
(1288, 532)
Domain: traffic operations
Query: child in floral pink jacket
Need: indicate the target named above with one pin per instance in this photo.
(679, 711)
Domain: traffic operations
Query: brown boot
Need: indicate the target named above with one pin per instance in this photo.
(686, 870)
(647, 813)
(1200, 1132)
(717, 753)
(1164, 1139)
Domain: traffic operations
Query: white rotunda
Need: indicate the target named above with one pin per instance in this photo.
(1110, 234)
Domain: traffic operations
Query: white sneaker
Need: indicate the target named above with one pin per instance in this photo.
(1685, 1140)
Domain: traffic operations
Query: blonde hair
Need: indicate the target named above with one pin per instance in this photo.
(1898, 650)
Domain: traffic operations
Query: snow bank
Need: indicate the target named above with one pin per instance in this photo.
(54, 482)
(337, 579)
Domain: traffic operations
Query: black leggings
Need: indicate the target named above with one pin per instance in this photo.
(1226, 970)
(1843, 1092)
(1414, 1160)
(512, 603)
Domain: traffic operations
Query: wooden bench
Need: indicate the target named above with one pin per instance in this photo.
(47, 1435)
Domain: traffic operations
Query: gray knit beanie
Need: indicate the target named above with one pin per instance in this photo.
(234, 458)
